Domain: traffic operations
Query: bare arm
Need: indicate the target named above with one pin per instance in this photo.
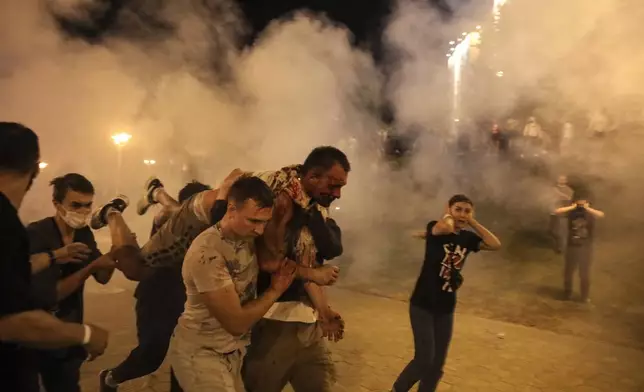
(444, 226)
(596, 213)
(317, 296)
(41, 330)
(224, 305)
(490, 241)
(565, 210)
(212, 278)
(102, 269)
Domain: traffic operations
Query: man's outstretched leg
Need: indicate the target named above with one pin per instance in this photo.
(154, 193)
(125, 249)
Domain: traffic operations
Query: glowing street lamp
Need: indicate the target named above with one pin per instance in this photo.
(149, 162)
(42, 165)
(120, 140)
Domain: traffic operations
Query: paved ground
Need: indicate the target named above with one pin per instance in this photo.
(486, 355)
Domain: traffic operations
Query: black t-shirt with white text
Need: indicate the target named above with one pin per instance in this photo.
(581, 227)
(440, 276)
(18, 371)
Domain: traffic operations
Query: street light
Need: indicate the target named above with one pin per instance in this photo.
(149, 162)
(42, 165)
(120, 140)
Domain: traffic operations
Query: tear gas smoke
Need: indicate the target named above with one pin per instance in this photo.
(194, 101)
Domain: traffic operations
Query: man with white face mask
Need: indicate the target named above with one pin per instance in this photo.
(64, 256)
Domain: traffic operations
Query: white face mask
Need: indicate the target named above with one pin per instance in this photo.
(75, 220)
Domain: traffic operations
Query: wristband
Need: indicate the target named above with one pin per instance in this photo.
(88, 334)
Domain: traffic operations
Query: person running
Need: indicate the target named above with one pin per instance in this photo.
(448, 243)
(160, 297)
(220, 274)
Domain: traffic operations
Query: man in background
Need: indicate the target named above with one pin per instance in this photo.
(22, 326)
(562, 195)
(579, 251)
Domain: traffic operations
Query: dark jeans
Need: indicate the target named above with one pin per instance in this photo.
(578, 256)
(432, 335)
(160, 301)
(60, 370)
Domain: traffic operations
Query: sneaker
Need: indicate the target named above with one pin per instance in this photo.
(147, 200)
(103, 387)
(99, 216)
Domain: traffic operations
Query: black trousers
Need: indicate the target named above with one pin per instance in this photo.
(578, 257)
(60, 369)
(160, 300)
(432, 335)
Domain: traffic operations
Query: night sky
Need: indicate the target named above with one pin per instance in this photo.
(364, 18)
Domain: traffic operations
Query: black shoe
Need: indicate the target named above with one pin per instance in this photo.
(103, 387)
(147, 200)
(99, 218)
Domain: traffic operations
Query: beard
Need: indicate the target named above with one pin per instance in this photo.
(325, 201)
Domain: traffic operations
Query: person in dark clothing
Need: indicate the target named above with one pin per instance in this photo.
(23, 326)
(433, 301)
(287, 345)
(579, 250)
(160, 298)
(500, 141)
(59, 288)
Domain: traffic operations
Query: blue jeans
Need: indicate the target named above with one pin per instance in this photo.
(432, 335)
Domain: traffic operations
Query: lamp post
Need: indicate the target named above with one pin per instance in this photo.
(120, 140)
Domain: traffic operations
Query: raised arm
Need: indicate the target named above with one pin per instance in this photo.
(565, 210)
(490, 241)
(596, 213)
(444, 226)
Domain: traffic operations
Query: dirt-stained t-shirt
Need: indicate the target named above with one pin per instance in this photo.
(212, 263)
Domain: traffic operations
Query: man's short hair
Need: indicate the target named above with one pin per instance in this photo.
(580, 194)
(326, 157)
(19, 151)
(251, 188)
(70, 182)
(191, 189)
(459, 199)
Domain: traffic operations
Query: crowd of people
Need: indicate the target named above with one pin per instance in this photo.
(231, 281)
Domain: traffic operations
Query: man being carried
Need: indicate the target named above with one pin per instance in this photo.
(288, 345)
(168, 246)
(220, 274)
